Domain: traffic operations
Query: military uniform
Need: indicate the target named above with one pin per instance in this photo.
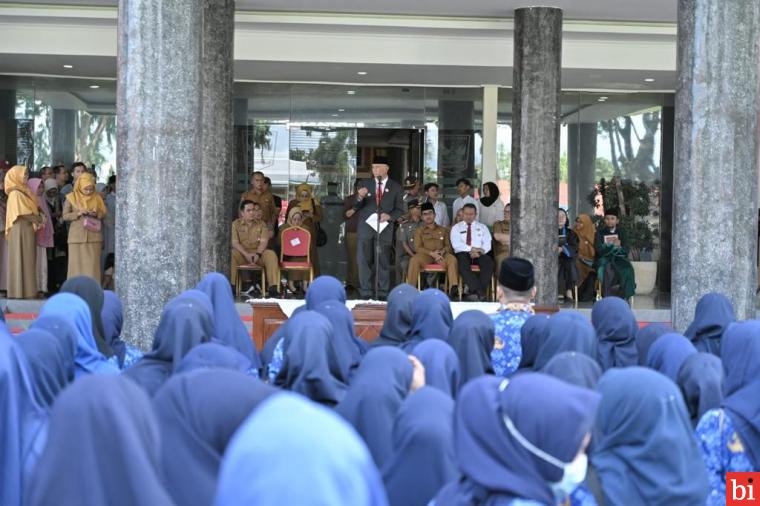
(253, 237)
(426, 240)
(405, 234)
(265, 200)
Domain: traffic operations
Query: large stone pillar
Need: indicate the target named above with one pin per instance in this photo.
(217, 179)
(62, 137)
(581, 166)
(490, 129)
(8, 132)
(716, 155)
(535, 143)
(159, 152)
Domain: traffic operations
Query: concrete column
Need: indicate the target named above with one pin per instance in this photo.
(716, 155)
(159, 152)
(8, 133)
(581, 166)
(490, 125)
(217, 177)
(535, 143)
(62, 137)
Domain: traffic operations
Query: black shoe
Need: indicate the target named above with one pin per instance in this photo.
(454, 293)
(272, 292)
(472, 297)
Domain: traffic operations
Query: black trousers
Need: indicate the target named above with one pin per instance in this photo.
(365, 253)
(477, 282)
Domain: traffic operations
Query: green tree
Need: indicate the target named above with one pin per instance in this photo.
(335, 151)
(262, 138)
(503, 162)
(95, 135)
(563, 168)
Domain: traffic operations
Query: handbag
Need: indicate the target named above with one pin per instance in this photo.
(91, 224)
(321, 234)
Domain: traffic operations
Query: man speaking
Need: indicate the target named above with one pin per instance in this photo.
(380, 203)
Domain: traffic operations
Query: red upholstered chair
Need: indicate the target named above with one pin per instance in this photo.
(437, 268)
(296, 242)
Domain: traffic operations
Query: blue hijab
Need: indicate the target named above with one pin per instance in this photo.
(307, 357)
(322, 289)
(103, 448)
(423, 458)
(646, 336)
(713, 314)
(197, 424)
(398, 316)
(91, 292)
(185, 323)
(348, 349)
(668, 354)
(112, 316)
(616, 329)
(441, 365)
(740, 352)
(22, 424)
(645, 451)
(533, 335)
(50, 361)
(568, 331)
(472, 338)
(309, 457)
(74, 310)
(495, 466)
(431, 317)
(228, 326)
(380, 386)
(574, 368)
(214, 355)
(701, 382)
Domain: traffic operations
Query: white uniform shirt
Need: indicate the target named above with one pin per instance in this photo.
(441, 214)
(480, 237)
(490, 215)
(459, 204)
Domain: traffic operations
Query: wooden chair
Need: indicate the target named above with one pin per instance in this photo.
(296, 242)
(490, 294)
(249, 268)
(431, 268)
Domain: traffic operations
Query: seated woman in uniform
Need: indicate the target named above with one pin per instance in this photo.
(584, 262)
(311, 215)
(613, 269)
(501, 239)
(296, 219)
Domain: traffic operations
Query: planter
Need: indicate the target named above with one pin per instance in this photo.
(646, 277)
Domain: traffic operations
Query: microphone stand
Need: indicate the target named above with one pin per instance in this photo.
(378, 182)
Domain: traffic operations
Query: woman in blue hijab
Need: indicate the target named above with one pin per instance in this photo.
(91, 292)
(324, 288)
(215, 356)
(729, 437)
(103, 447)
(568, 331)
(713, 314)
(50, 360)
(441, 365)
(197, 424)
(533, 335)
(228, 326)
(381, 384)
(22, 424)
(668, 354)
(293, 452)
(701, 382)
(616, 329)
(112, 316)
(472, 338)
(185, 323)
(431, 318)
(348, 348)
(423, 459)
(398, 316)
(520, 440)
(308, 354)
(574, 368)
(75, 311)
(646, 336)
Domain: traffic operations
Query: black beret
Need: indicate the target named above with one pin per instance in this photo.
(427, 206)
(516, 274)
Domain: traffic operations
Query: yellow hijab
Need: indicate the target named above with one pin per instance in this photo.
(92, 202)
(20, 199)
(306, 187)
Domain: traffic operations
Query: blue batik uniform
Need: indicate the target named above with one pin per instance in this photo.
(507, 351)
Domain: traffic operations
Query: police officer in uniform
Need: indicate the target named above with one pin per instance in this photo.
(433, 245)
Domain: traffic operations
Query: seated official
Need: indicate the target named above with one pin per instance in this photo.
(501, 239)
(405, 238)
(613, 269)
(250, 236)
(567, 251)
(471, 242)
(432, 244)
(296, 219)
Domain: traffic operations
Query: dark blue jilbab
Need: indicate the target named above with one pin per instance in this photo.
(740, 352)
(307, 358)
(568, 331)
(228, 326)
(701, 382)
(646, 336)
(185, 323)
(322, 289)
(91, 292)
(668, 354)
(533, 335)
(431, 318)
(50, 362)
(616, 329)
(492, 415)
(713, 314)
(214, 356)
(398, 316)
(103, 448)
(645, 451)
(112, 316)
(441, 365)
(22, 424)
(348, 348)
(472, 338)
(423, 459)
(197, 424)
(380, 386)
(574, 368)
(62, 330)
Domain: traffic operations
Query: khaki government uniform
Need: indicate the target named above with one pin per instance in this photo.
(427, 239)
(84, 246)
(250, 237)
(500, 251)
(265, 200)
